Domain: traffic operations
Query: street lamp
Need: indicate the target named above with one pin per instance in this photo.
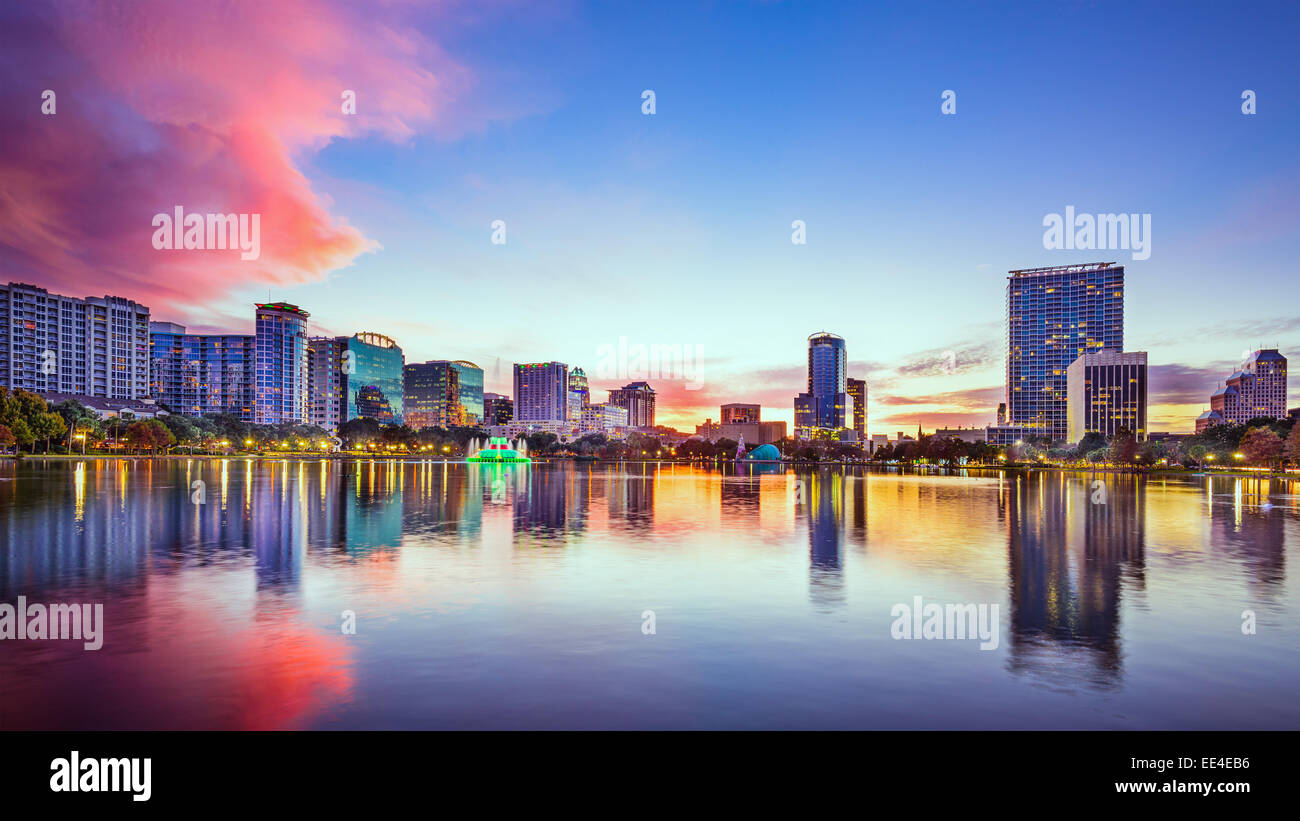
(82, 437)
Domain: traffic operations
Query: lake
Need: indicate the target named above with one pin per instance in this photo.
(250, 594)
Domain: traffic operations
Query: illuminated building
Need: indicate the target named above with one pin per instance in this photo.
(497, 409)
(542, 392)
(1256, 389)
(469, 392)
(280, 364)
(202, 374)
(1054, 316)
(355, 377)
(823, 405)
(97, 346)
(857, 390)
(639, 399)
(1106, 391)
(579, 396)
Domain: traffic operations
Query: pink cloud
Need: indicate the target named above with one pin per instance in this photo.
(212, 107)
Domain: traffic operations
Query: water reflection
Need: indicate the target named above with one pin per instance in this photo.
(271, 540)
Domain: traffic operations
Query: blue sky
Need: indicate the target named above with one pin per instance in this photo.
(675, 228)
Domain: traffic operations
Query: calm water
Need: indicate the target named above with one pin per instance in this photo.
(487, 598)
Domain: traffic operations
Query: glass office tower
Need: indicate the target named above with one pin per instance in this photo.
(1054, 316)
(372, 374)
(824, 404)
(470, 391)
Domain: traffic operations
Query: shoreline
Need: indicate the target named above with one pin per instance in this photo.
(351, 457)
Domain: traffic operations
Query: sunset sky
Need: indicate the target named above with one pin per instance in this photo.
(672, 228)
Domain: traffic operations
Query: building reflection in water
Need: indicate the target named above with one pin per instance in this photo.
(823, 497)
(1070, 561)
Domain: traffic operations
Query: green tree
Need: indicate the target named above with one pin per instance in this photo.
(49, 426)
(1090, 442)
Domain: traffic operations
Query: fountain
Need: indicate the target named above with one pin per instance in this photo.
(498, 450)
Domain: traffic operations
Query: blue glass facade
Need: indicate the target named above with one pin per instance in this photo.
(1055, 315)
(281, 364)
(201, 375)
(824, 404)
(470, 391)
(372, 379)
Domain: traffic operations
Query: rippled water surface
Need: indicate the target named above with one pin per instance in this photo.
(487, 597)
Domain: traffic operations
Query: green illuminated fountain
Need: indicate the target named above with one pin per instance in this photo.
(498, 449)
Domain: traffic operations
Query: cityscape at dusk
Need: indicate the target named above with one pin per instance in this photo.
(671, 228)
(391, 365)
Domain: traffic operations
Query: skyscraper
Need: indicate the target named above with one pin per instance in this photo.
(432, 395)
(470, 391)
(1054, 316)
(541, 392)
(325, 381)
(355, 377)
(1106, 391)
(639, 399)
(281, 364)
(822, 406)
(579, 393)
(96, 346)
(1256, 389)
(497, 409)
(858, 393)
(202, 374)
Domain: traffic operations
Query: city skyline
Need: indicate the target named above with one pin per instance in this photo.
(385, 220)
(331, 358)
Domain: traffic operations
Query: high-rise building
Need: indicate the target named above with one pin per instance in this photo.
(281, 364)
(96, 346)
(202, 374)
(823, 405)
(639, 399)
(741, 414)
(542, 392)
(1256, 389)
(497, 409)
(1106, 391)
(1054, 316)
(470, 392)
(858, 393)
(431, 395)
(326, 407)
(579, 393)
(355, 377)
